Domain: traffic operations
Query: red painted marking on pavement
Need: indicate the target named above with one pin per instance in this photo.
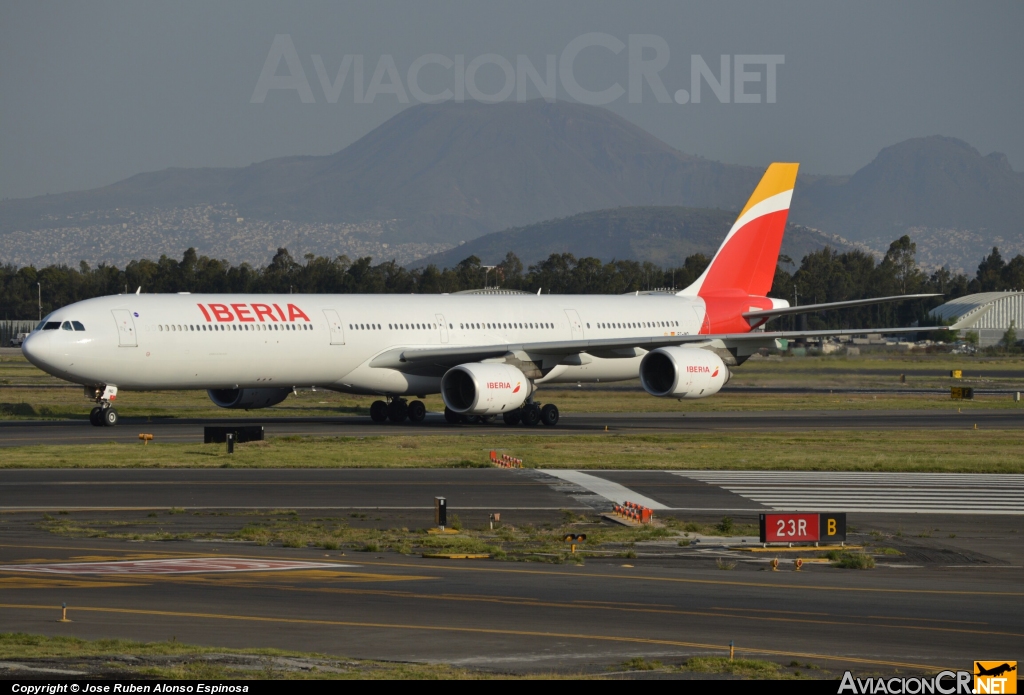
(172, 566)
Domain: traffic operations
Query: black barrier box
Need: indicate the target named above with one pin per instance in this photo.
(440, 511)
(803, 527)
(243, 433)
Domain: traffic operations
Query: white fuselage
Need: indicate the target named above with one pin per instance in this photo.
(184, 341)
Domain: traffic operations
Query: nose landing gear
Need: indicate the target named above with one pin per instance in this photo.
(103, 415)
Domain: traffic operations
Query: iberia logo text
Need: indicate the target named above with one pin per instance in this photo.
(504, 385)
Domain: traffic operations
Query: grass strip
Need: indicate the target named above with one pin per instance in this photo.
(967, 450)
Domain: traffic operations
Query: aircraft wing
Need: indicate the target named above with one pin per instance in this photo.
(416, 359)
(811, 308)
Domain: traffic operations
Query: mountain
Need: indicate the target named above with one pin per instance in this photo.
(436, 175)
(954, 202)
(442, 173)
(664, 235)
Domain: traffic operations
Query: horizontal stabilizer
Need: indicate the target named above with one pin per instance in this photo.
(812, 308)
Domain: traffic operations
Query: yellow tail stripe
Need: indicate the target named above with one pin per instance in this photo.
(779, 177)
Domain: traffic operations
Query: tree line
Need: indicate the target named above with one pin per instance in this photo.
(823, 276)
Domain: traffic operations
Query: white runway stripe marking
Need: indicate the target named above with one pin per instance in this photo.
(605, 488)
(933, 493)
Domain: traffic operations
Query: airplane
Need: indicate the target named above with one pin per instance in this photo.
(487, 352)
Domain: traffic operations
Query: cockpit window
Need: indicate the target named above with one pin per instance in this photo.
(51, 325)
(78, 325)
(67, 326)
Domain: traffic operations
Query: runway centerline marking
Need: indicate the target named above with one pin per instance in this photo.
(478, 630)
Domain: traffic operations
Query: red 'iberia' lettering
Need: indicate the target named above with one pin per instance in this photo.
(295, 312)
(498, 385)
(244, 312)
(698, 369)
(221, 312)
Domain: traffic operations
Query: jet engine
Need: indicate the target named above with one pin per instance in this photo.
(247, 399)
(681, 372)
(484, 388)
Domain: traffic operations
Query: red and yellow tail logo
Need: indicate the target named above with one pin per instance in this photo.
(745, 262)
(995, 677)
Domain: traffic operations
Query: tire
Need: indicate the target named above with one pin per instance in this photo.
(451, 417)
(531, 414)
(469, 419)
(96, 417)
(398, 410)
(110, 417)
(417, 411)
(486, 419)
(549, 415)
(512, 417)
(379, 411)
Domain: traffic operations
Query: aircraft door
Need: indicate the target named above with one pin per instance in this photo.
(337, 329)
(125, 328)
(444, 327)
(575, 324)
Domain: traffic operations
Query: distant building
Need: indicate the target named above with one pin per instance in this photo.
(988, 314)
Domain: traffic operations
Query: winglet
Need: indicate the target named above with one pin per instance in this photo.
(746, 260)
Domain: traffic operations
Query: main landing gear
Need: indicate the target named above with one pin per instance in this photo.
(529, 415)
(103, 415)
(397, 410)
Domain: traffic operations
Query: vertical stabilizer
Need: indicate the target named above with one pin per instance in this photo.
(746, 260)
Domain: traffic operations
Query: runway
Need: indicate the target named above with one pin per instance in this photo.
(32, 432)
(915, 611)
(493, 489)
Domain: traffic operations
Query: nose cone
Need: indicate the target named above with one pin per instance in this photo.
(36, 349)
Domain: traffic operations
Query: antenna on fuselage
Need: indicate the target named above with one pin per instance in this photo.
(538, 291)
(138, 291)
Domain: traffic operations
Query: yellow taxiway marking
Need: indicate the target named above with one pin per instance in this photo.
(44, 582)
(735, 613)
(876, 617)
(683, 580)
(480, 631)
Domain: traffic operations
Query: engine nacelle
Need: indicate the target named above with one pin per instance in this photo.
(484, 388)
(247, 399)
(681, 372)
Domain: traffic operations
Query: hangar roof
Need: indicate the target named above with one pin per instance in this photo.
(969, 310)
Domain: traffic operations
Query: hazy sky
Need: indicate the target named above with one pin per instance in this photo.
(93, 92)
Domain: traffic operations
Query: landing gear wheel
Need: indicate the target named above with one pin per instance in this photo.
(485, 419)
(531, 414)
(397, 410)
(469, 419)
(110, 417)
(451, 417)
(417, 411)
(512, 417)
(96, 417)
(379, 411)
(549, 415)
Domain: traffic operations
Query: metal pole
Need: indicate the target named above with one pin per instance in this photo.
(40, 287)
